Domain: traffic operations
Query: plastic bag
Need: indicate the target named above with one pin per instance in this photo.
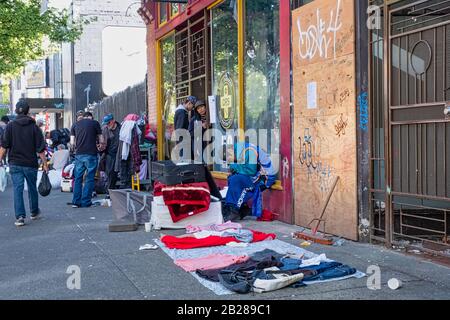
(45, 186)
(3, 179)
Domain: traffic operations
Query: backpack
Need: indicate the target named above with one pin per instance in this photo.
(2, 132)
(64, 136)
(55, 136)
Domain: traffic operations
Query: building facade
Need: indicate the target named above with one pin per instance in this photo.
(318, 73)
(41, 85)
(87, 66)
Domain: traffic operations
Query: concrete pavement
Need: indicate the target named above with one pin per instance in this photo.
(34, 260)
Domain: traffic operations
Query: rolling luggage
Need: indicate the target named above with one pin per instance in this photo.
(170, 173)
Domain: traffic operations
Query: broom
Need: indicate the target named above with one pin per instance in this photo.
(313, 236)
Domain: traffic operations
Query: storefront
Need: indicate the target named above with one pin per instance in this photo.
(238, 54)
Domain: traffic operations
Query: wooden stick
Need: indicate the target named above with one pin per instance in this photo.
(330, 193)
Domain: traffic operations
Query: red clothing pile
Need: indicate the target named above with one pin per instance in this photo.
(184, 200)
(173, 242)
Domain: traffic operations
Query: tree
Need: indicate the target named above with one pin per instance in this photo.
(24, 32)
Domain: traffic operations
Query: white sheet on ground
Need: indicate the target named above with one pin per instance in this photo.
(275, 245)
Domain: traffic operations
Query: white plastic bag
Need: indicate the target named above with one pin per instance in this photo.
(53, 175)
(3, 179)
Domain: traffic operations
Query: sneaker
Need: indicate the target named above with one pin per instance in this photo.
(245, 211)
(36, 216)
(20, 222)
(74, 206)
(230, 214)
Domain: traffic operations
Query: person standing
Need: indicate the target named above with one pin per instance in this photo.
(181, 118)
(3, 123)
(83, 138)
(197, 128)
(111, 134)
(181, 122)
(23, 140)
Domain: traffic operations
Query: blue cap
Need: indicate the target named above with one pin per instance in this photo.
(192, 99)
(107, 118)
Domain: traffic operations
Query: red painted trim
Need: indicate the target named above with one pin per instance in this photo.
(279, 202)
(285, 201)
(191, 10)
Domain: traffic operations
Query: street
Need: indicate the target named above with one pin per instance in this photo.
(34, 261)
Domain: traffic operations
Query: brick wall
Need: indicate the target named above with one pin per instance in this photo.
(151, 76)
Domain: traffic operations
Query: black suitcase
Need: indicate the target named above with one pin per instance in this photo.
(169, 173)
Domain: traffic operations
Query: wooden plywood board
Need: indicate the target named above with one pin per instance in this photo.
(325, 115)
(323, 29)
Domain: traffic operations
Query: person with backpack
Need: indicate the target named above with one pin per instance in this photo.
(23, 139)
(3, 123)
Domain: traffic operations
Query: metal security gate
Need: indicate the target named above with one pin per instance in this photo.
(192, 60)
(410, 91)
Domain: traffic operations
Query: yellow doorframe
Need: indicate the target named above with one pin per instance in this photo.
(241, 61)
(159, 93)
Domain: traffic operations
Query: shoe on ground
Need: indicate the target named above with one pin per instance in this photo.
(75, 206)
(230, 214)
(36, 216)
(20, 222)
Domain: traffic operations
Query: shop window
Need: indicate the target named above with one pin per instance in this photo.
(262, 71)
(174, 9)
(169, 102)
(162, 13)
(224, 43)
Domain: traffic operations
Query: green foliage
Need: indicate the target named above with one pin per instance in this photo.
(4, 88)
(3, 112)
(23, 32)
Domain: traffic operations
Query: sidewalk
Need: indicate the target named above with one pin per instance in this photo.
(34, 260)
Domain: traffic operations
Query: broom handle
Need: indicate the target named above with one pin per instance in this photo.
(330, 193)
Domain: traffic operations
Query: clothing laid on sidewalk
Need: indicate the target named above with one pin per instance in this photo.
(173, 242)
(214, 227)
(264, 260)
(210, 262)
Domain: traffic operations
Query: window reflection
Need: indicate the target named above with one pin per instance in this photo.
(162, 13)
(168, 94)
(262, 70)
(224, 41)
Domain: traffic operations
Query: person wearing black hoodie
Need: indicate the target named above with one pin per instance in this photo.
(24, 140)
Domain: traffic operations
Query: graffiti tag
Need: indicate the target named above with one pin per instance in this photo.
(340, 126)
(317, 39)
(363, 111)
(309, 157)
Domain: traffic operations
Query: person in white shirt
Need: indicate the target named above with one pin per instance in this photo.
(60, 158)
